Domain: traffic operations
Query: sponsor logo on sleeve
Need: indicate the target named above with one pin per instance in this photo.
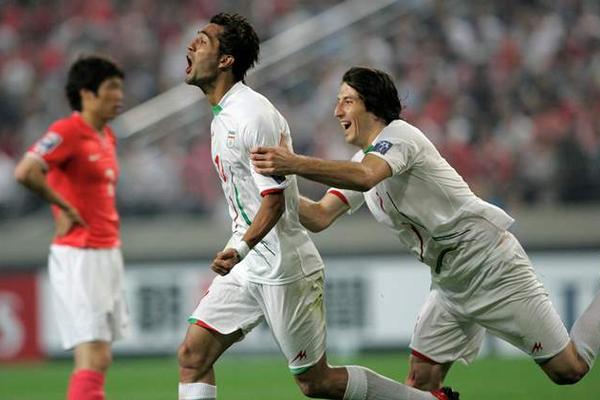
(47, 143)
(382, 147)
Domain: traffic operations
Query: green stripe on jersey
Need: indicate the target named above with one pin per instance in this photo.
(368, 149)
(216, 110)
(240, 206)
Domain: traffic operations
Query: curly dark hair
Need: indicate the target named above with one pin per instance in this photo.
(88, 72)
(377, 90)
(238, 40)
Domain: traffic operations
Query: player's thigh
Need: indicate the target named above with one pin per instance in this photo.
(83, 287)
(228, 306)
(201, 347)
(443, 336)
(530, 324)
(296, 314)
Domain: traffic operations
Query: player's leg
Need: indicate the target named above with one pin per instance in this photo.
(585, 333)
(424, 373)
(197, 354)
(296, 315)
(92, 360)
(225, 314)
(89, 305)
(571, 364)
(440, 337)
(359, 383)
(522, 314)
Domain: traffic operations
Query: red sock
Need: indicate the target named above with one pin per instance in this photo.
(86, 384)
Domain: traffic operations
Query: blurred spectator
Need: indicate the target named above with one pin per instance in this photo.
(508, 91)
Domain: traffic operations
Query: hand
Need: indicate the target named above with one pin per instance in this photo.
(275, 160)
(225, 261)
(66, 219)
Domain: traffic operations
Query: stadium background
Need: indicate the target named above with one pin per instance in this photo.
(508, 91)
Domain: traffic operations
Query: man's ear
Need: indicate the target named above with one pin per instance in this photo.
(226, 61)
(85, 94)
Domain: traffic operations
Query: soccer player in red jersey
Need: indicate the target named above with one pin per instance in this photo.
(73, 166)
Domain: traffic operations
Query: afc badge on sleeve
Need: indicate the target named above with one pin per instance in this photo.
(47, 143)
(382, 147)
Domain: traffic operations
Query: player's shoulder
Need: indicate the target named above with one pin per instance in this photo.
(66, 126)
(400, 131)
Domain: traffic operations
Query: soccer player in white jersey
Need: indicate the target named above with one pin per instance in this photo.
(481, 277)
(269, 270)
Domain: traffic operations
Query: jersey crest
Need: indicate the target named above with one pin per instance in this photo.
(230, 139)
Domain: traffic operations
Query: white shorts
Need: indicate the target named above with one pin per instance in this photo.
(294, 311)
(509, 301)
(88, 296)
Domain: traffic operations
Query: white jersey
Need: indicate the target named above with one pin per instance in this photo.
(425, 201)
(242, 120)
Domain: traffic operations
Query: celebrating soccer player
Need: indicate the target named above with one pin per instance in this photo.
(269, 270)
(481, 277)
(73, 166)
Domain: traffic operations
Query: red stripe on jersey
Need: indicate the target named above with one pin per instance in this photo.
(422, 357)
(340, 195)
(270, 191)
(205, 325)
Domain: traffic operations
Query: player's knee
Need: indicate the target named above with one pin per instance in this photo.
(568, 375)
(101, 361)
(311, 388)
(189, 358)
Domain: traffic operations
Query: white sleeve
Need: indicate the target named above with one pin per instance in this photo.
(259, 132)
(352, 199)
(400, 154)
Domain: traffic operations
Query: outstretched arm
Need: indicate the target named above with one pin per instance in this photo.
(359, 176)
(271, 208)
(318, 215)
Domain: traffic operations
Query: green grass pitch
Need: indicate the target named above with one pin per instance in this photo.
(267, 378)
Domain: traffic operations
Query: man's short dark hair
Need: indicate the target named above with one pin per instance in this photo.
(88, 72)
(377, 90)
(238, 40)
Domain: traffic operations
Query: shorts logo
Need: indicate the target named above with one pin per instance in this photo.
(537, 347)
(47, 143)
(300, 356)
(230, 139)
(382, 147)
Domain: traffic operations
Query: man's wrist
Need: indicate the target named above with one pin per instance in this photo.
(242, 249)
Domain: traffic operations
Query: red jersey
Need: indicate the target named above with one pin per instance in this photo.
(82, 166)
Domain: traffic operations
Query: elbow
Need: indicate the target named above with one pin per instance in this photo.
(365, 185)
(21, 175)
(316, 228)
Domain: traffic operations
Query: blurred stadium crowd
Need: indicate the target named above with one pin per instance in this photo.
(509, 91)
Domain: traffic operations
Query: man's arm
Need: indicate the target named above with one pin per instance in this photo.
(30, 173)
(318, 215)
(359, 176)
(271, 208)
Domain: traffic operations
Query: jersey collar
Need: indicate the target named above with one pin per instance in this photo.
(216, 109)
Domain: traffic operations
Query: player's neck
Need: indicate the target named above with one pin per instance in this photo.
(94, 121)
(371, 133)
(221, 85)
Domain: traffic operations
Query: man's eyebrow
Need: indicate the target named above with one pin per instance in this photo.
(210, 37)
